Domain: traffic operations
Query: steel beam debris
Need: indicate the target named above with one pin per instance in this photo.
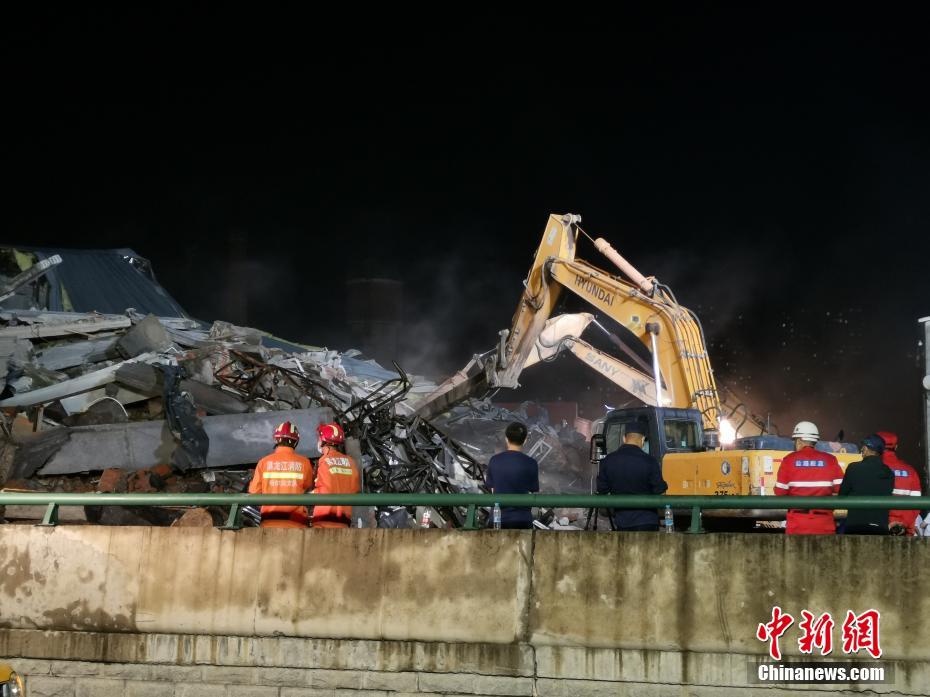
(76, 354)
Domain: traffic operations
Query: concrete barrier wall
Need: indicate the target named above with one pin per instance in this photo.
(710, 592)
(590, 612)
(324, 583)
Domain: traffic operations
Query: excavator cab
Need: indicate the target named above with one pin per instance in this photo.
(669, 431)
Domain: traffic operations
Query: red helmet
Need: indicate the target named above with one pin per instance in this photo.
(286, 432)
(891, 439)
(331, 434)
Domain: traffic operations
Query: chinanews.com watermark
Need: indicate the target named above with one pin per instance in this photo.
(862, 673)
(858, 633)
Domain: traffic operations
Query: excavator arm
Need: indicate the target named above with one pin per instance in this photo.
(681, 371)
(640, 385)
(681, 367)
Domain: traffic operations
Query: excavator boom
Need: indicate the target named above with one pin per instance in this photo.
(681, 374)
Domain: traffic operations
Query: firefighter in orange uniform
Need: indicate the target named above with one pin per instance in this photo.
(336, 473)
(283, 472)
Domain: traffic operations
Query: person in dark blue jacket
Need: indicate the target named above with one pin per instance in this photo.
(630, 470)
(514, 472)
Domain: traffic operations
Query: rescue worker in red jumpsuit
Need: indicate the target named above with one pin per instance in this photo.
(336, 473)
(808, 472)
(283, 472)
(906, 483)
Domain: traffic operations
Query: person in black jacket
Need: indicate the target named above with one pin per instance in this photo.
(629, 470)
(868, 477)
(514, 472)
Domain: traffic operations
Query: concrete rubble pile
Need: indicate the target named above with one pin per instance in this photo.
(562, 452)
(139, 403)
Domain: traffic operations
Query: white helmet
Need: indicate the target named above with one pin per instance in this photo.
(807, 431)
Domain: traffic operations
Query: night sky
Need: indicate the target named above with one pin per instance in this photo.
(774, 171)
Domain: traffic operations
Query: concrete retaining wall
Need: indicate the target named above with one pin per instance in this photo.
(159, 610)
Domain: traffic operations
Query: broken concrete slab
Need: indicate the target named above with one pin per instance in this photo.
(76, 328)
(142, 377)
(50, 317)
(147, 379)
(29, 377)
(105, 410)
(80, 403)
(16, 351)
(212, 400)
(190, 338)
(67, 388)
(167, 322)
(148, 335)
(34, 453)
(235, 439)
(242, 336)
(73, 354)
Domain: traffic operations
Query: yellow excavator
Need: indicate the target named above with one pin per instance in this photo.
(708, 443)
(11, 684)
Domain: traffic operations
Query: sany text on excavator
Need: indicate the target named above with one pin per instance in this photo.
(687, 417)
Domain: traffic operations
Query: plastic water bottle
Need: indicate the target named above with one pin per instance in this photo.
(424, 523)
(668, 523)
(497, 516)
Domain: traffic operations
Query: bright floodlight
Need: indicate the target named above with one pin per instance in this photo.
(727, 433)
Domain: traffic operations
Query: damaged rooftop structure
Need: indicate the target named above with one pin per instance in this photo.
(109, 386)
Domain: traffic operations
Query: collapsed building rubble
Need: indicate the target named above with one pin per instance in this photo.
(562, 452)
(135, 393)
(135, 402)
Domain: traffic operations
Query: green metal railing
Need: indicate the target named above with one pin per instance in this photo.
(696, 504)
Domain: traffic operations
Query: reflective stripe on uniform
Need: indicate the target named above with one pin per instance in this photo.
(837, 481)
(781, 486)
(811, 485)
(905, 492)
(282, 475)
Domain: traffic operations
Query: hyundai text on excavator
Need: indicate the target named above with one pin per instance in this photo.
(688, 419)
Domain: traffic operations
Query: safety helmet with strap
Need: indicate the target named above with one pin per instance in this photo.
(287, 433)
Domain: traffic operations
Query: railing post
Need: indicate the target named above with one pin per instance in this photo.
(696, 526)
(234, 521)
(471, 518)
(51, 516)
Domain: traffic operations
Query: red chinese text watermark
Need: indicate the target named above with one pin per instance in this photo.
(860, 632)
